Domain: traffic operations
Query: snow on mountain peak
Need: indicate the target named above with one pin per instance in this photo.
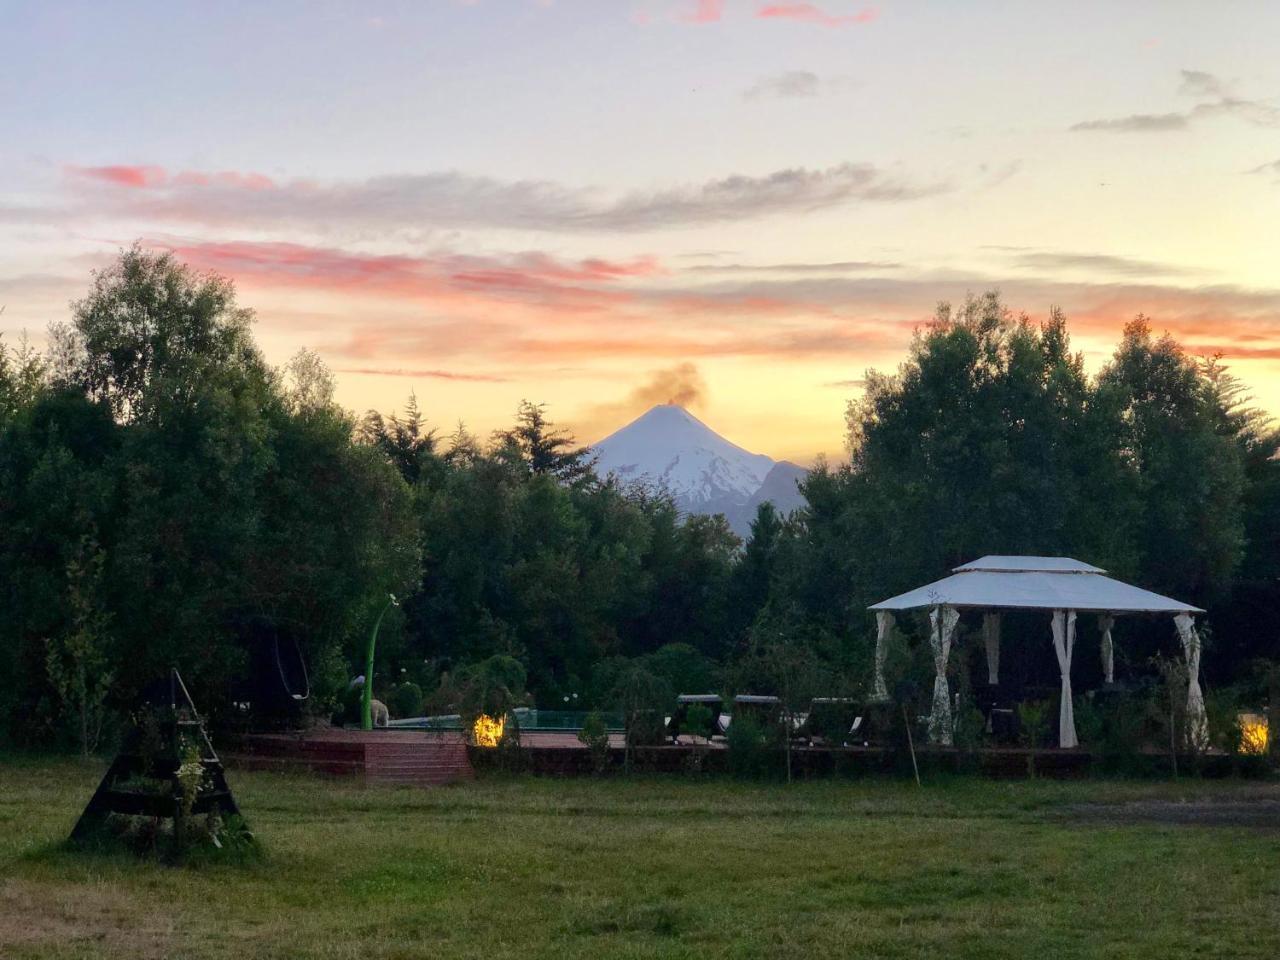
(671, 447)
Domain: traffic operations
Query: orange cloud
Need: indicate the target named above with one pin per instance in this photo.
(809, 13)
(512, 343)
(705, 11)
(425, 374)
(501, 312)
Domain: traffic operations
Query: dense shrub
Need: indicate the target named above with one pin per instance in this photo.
(405, 701)
(753, 750)
(595, 737)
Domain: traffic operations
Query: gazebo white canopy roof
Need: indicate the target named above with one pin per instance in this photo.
(1059, 585)
(1034, 583)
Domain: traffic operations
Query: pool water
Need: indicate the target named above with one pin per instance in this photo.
(528, 718)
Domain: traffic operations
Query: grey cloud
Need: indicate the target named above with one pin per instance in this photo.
(796, 190)
(1218, 101)
(1267, 170)
(1256, 112)
(1197, 83)
(894, 295)
(789, 85)
(1137, 123)
(1098, 263)
(458, 200)
(840, 266)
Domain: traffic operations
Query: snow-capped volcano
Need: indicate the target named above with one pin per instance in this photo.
(670, 447)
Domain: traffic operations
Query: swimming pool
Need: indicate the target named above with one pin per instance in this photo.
(529, 718)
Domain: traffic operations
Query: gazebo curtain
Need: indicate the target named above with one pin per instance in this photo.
(1105, 623)
(1064, 639)
(942, 621)
(884, 623)
(991, 639)
(1197, 724)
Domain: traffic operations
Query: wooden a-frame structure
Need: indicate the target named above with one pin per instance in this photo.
(178, 723)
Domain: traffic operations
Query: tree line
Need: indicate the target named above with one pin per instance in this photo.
(169, 498)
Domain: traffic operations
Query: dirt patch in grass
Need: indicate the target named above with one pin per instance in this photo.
(1259, 809)
(85, 918)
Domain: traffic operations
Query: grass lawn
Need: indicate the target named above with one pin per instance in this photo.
(535, 868)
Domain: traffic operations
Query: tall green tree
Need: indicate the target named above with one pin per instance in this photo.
(543, 448)
(755, 571)
(406, 441)
(228, 502)
(1186, 460)
(986, 441)
(79, 659)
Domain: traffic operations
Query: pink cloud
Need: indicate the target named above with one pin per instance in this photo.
(123, 175)
(538, 267)
(535, 280)
(147, 176)
(705, 11)
(810, 13)
(227, 178)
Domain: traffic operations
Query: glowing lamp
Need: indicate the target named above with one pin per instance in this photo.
(1253, 734)
(487, 731)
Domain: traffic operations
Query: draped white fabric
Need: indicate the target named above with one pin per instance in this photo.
(1105, 623)
(1197, 723)
(991, 638)
(884, 623)
(1064, 638)
(943, 622)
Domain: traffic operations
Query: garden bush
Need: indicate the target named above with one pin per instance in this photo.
(405, 701)
(595, 737)
(752, 751)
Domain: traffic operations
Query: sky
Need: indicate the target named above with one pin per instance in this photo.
(740, 206)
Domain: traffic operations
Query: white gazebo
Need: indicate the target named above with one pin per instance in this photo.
(1059, 586)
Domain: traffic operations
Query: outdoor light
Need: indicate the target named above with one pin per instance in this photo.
(1254, 734)
(487, 730)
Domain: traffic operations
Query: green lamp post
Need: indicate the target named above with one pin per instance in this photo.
(366, 696)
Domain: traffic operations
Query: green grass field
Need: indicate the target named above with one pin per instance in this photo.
(536, 868)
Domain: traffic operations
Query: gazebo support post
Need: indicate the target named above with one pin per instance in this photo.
(1197, 724)
(884, 623)
(1064, 638)
(942, 622)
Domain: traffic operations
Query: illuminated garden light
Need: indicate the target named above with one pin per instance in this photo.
(1254, 734)
(487, 730)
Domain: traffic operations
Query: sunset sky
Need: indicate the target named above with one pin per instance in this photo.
(602, 204)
